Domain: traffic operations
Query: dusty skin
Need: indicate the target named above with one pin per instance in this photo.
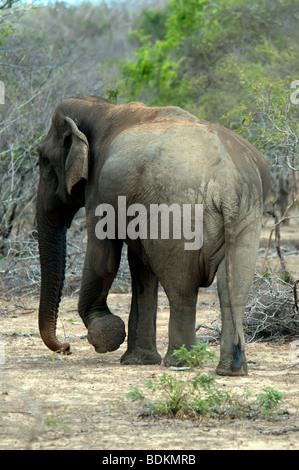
(79, 401)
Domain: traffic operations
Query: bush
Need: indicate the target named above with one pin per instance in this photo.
(199, 395)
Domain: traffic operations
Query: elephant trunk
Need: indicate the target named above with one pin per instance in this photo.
(52, 250)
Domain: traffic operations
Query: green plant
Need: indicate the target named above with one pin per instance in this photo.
(135, 394)
(54, 356)
(197, 356)
(199, 394)
(112, 95)
(224, 61)
(58, 421)
(269, 403)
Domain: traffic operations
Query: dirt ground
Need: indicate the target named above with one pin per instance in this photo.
(80, 401)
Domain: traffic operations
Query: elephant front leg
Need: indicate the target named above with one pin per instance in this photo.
(142, 321)
(106, 332)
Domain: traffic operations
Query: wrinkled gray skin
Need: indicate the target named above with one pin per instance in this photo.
(96, 151)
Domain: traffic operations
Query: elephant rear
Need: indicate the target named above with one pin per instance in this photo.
(125, 160)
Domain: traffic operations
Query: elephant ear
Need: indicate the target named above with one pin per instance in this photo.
(76, 165)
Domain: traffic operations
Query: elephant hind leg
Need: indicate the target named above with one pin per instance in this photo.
(180, 278)
(181, 330)
(142, 321)
(232, 352)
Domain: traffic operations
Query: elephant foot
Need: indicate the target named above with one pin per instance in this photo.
(171, 361)
(227, 367)
(106, 333)
(140, 356)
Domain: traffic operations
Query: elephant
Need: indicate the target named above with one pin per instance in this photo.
(96, 152)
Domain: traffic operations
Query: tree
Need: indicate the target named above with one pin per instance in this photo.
(207, 52)
(8, 3)
(47, 54)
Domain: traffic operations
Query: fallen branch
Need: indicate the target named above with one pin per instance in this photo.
(277, 432)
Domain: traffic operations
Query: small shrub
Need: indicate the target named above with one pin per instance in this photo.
(198, 394)
(58, 422)
(269, 402)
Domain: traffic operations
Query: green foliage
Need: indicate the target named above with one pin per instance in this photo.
(198, 394)
(197, 356)
(135, 394)
(212, 55)
(155, 76)
(269, 119)
(58, 421)
(268, 403)
(152, 23)
(5, 31)
(112, 94)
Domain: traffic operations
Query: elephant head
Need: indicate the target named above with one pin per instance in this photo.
(63, 162)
